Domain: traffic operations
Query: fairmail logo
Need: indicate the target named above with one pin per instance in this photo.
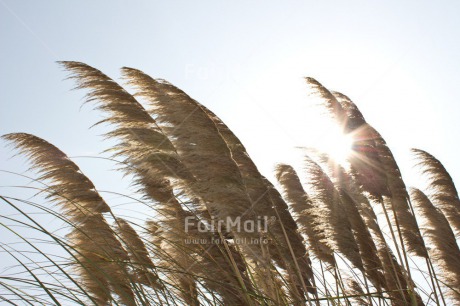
(237, 224)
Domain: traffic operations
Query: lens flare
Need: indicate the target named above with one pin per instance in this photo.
(336, 144)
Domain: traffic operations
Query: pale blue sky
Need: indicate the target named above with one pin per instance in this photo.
(399, 62)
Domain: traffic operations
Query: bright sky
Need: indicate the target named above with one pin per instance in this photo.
(397, 60)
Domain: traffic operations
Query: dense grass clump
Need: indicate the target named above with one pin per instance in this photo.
(217, 231)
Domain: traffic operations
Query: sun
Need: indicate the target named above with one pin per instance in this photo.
(340, 148)
(336, 144)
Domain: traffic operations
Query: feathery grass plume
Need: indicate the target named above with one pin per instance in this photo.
(149, 151)
(266, 201)
(142, 142)
(354, 119)
(348, 116)
(100, 258)
(143, 267)
(301, 206)
(191, 255)
(347, 188)
(357, 294)
(396, 281)
(201, 149)
(365, 160)
(317, 90)
(169, 236)
(442, 189)
(198, 143)
(445, 251)
(223, 259)
(400, 205)
(175, 258)
(373, 165)
(204, 152)
(329, 214)
(290, 245)
(394, 278)
(69, 188)
(155, 232)
(149, 155)
(371, 159)
(188, 255)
